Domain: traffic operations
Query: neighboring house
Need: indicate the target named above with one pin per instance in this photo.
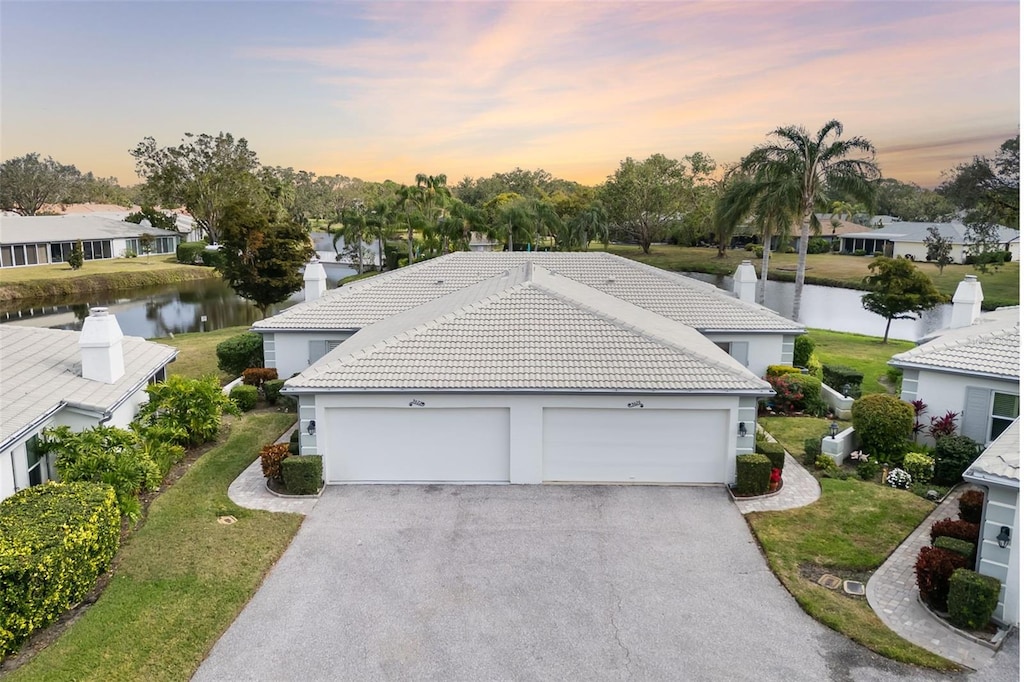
(906, 240)
(829, 232)
(972, 369)
(38, 240)
(526, 368)
(998, 471)
(52, 377)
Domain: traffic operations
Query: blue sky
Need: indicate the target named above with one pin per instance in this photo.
(386, 90)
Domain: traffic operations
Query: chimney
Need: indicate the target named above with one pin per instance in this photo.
(967, 303)
(316, 280)
(744, 282)
(100, 342)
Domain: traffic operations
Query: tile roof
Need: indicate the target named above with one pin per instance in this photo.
(683, 299)
(990, 347)
(955, 232)
(42, 368)
(1001, 458)
(529, 329)
(62, 228)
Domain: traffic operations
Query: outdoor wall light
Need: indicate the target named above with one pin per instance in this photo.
(311, 429)
(833, 429)
(846, 390)
(743, 430)
(1004, 537)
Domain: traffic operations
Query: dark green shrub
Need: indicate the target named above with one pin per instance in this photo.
(972, 599)
(971, 504)
(245, 397)
(883, 423)
(869, 469)
(77, 257)
(271, 457)
(825, 463)
(190, 252)
(212, 257)
(753, 473)
(838, 376)
(240, 352)
(758, 251)
(775, 453)
(934, 568)
(812, 447)
(859, 252)
(803, 346)
(189, 407)
(272, 390)
(302, 475)
(953, 454)
(294, 438)
(955, 528)
(55, 540)
(810, 386)
(257, 376)
(818, 245)
(961, 547)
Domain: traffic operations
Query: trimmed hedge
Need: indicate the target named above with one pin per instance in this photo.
(753, 473)
(190, 252)
(971, 504)
(272, 390)
(955, 528)
(775, 453)
(803, 347)
(240, 352)
(884, 424)
(303, 475)
(271, 457)
(245, 397)
(961, 547)
(934, 568)
(779, 370)
(55, 540)
(920, 467)
(257, 376)
(972, 598)
(953, 454)
(837, 376)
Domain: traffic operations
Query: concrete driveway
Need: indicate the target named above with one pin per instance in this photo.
(530, 583)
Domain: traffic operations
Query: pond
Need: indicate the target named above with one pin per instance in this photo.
(839, 309)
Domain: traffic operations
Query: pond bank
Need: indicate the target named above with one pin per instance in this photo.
(85, 282)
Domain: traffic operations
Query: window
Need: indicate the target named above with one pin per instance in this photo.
(1005, 408)
(737, 349)
(36, 472)
(6, 260)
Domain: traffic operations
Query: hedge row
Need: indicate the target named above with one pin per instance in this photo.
(838, 376)
(302, 475)
(753, 474)
(775, 453)
(55, 540)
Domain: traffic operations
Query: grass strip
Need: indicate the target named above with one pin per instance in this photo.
(197, 352)
(866, 354)
(181, 579)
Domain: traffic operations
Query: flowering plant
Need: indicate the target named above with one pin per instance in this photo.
(898, 478)
(788, 393)
(776, 476)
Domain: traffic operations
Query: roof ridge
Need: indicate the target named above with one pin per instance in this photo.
(943, 344)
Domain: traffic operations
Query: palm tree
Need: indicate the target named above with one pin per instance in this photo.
(353, 231)
(589, 224)
(816, 164)
(406, 197)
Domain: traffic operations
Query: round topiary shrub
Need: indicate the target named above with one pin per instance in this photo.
(883, 423)
(921, 467)
(240, 352)
(245, 397)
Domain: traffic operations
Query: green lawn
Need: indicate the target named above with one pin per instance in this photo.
(865, 353)
(792, 431)
(849, 531)
(1001, 287)
(181, 579)
(197, 352)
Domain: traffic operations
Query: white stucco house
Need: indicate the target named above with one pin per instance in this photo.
(972, 368)
(52, 377)
(906, 240)
(997, 470)
(527, 368)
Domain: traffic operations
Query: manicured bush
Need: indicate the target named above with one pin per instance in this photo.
(293, 443)
(972, 599)
(956, 528)
(961, 547)
(780, 370)
(240, 352)
(825, 463)
(953, 454)
(838, 376)
(77, 258)
(272, 390)
(803, 347)
(934, 568)
(814, 366)
(758, 251)
(920, 467)
(55, 540)
(859, 252)
(257, 376)
(818, 245)
(245, 397)
(883, 423)
(971, 503)
(190, 252)
(753, 473)
(775, 453)
(212, 257)
(812, 447)
(796, 392)
(868, 469)
(271, 457)
(302, 475)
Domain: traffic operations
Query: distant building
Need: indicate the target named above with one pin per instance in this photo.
(906, 240)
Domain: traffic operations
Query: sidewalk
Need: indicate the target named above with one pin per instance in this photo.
(249, 490)
(799, 488)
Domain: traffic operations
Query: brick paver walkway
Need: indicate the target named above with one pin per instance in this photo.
(249, 490)
(892, 593)
(799, 489)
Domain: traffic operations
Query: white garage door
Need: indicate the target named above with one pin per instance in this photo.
(637, 445)
(416, 445)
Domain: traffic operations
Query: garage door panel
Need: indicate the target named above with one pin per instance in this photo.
(639, 445)
(417, 445)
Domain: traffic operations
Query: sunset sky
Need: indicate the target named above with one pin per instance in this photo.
(386, 90)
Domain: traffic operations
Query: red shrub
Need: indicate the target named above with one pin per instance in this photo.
(257, 376)
(956, 528)
(271, 457)
(971, 503)
(934, 568)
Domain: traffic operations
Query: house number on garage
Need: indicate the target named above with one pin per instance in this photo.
(416, 403)
(635, 403)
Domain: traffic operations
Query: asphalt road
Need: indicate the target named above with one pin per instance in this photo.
(534, 583)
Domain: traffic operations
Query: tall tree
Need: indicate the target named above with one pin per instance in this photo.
(28, 183)
(352, 230)
(644, 197)
(205, 174)
(907, 201)
(406, 197)
(898, 291)
(816, 163)
(165, 221)
(938, 248)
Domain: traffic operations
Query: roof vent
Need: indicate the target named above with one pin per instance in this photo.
(611, 279)
(439, 282)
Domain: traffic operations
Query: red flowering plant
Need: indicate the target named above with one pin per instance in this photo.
(789, 394)
(776, 477)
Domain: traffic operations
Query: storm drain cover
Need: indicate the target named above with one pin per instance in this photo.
(226, 520)
(853, 587)
(830, 581)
